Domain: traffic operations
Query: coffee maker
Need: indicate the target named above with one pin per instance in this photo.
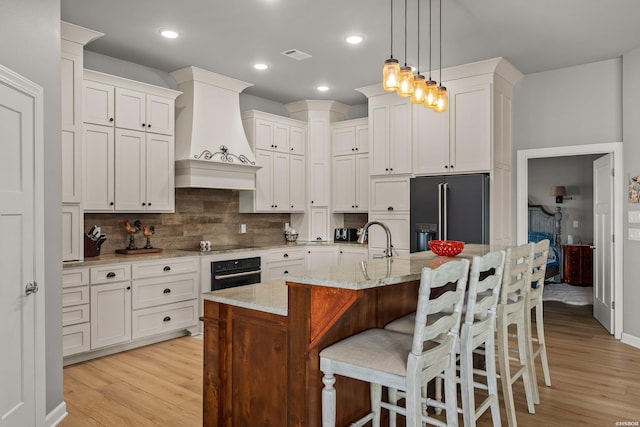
(424, 233)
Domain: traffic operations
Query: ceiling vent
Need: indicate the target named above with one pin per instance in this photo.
(296, 54)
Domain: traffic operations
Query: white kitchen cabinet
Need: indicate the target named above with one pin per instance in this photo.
(398, 224)
(350, 137)
(390, 135)
(71, 232)
(98, 168)
(348, 255)
(390, 194)
(281, 261)
(98, 106)
(75, 311)
(137, 110)
(110, 314)
(350, 183)
(319, 163)
(319, 226)
(319, 257)
(144, 172)
(389, 205)
(458, 140)
(279, 147)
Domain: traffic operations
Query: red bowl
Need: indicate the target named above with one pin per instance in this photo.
(446, 247)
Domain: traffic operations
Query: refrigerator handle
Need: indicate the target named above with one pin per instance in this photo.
(440, 211)
(445, 204)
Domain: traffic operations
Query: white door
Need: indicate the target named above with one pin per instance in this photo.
(603, 233)
(21, 223)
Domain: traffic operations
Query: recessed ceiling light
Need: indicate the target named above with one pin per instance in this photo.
(260, 66)
(322, 88)
(354, 39)
(170, 34)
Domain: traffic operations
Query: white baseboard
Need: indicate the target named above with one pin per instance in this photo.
(56, 416)
(630, 340)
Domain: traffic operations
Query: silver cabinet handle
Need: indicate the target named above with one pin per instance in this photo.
(31, 288)
(228, 276)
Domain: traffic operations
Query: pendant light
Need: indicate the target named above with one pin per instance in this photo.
(442, 100)
(419, 82)
(391, 69)
(431, 91)
(405, 84)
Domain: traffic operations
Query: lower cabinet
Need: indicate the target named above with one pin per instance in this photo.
(110, 314)
(165, 318)
(282, 261)
(352, 255)
(321, 257)
(76, 333)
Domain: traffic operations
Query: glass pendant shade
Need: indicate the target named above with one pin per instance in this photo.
(405, 86)
(391, 75)
(419, 89)
(431, 94)
(442, 102)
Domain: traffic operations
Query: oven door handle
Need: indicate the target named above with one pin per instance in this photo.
(229, 276)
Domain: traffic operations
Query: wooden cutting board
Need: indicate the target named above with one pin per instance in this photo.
(138, 251)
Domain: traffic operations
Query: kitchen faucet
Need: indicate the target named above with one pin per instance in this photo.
(363, 236)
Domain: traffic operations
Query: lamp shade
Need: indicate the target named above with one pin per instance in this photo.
(391, 75)
(419, 89)
(405, 84)
(559, 190)
(442, 100)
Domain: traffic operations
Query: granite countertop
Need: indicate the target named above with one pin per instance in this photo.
(171, 253)
(271, 297)
(380, 272)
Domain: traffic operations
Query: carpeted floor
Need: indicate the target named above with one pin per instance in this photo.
(568, 294)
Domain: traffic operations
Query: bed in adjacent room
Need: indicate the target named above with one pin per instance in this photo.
(542, 225)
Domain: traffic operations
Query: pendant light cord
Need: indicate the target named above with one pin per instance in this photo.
(391, 14)
(429, 39)
(405, 33)
(440, 25)
(418, 70)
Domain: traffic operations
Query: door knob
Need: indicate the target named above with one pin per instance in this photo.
(31, 288)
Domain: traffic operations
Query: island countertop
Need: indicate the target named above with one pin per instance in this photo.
(271, 297)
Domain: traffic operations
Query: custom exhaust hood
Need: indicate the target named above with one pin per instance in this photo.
(211, 147)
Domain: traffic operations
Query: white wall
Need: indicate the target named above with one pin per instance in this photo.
(31, 47)
(631, 135)
(576, 174)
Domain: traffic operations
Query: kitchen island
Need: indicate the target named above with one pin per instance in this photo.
(262, 341)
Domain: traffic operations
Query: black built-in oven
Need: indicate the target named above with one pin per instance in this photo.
(235, 272)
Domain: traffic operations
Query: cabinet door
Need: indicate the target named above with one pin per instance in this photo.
(281, 182)
(390, 194)
(398, 225)
(160, 115)
(130, 109)
(319, 257)
(430, 141)
(362, 139)
(343, 140)
(362, 182)
(319, 163)
(71, 166)
(263, 134)
(275, 270)
(297, 140)
(98, 103)
(98, 168)
(110, 314)
(297, 180)
(344, 183)
(471, 129)
(130, 176)
(159, 160)
(71, 126)
(319, 223)
(348, 255)
(264, 181)
(281, 137)
(71, 233)
(399, 150)
(378, 137)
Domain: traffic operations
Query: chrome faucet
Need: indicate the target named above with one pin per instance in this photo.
(363, 236)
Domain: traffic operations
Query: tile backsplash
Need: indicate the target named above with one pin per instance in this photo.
(201, 214)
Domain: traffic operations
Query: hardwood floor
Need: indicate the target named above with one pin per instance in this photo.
(596, 381)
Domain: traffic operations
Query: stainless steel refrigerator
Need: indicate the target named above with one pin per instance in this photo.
(457, 205)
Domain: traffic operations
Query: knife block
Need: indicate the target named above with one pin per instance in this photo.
(90, 248)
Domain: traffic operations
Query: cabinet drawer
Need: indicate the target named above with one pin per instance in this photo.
(389, 194)
(110, 273)
(74, 315)
(275, 270)
(76, 339)
(158, 291)
(75, 277)
(284, 254)
(164, 268)
(165, 318)
(75, 296)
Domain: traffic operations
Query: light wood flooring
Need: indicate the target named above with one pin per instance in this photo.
(596, 381)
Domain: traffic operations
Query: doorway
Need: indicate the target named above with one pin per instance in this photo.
(522, 197)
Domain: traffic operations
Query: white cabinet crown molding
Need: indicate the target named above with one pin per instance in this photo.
(97, 76)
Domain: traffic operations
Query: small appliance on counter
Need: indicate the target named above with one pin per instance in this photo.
(93, 240)
(424, 234)
(345, 235)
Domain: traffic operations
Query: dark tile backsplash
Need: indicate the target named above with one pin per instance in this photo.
(201, 214)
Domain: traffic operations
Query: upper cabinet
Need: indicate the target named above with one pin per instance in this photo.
(390, 135)
(350, 166)
(279, 146)
(129, 145)
(458, 140)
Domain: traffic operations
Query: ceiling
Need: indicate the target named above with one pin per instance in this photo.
(228, 37)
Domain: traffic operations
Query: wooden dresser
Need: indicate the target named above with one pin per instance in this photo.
(578, 265)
